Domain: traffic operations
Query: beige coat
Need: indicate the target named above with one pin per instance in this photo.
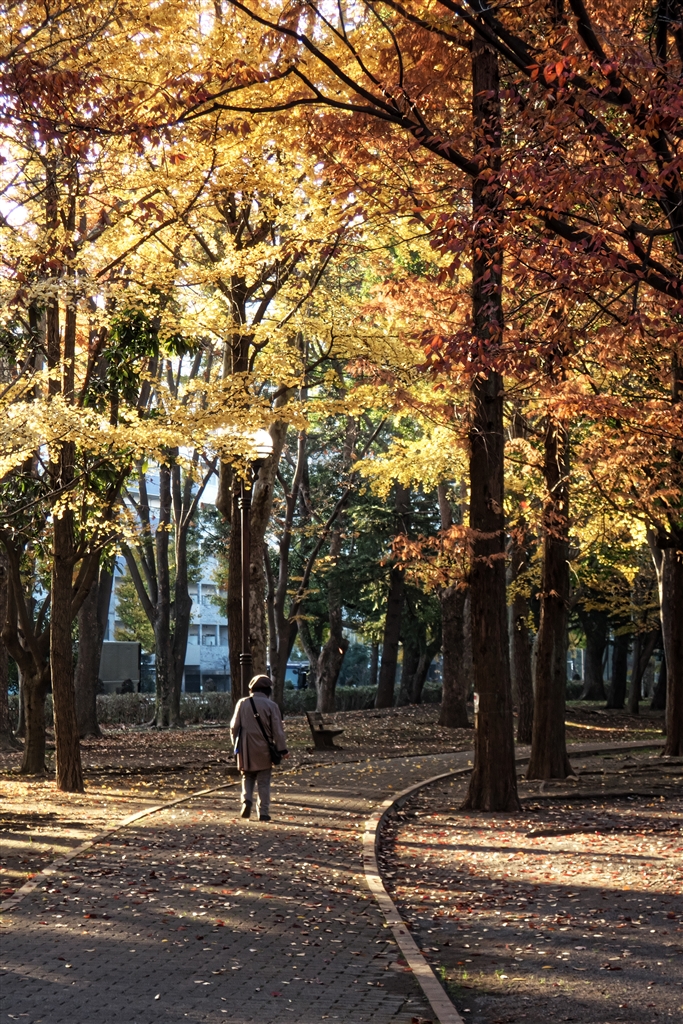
(252, 750)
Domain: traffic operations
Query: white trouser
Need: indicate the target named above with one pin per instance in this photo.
(261, 779)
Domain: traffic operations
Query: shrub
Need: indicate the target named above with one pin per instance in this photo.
(138, 708)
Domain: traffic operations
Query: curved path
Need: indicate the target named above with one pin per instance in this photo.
(191, 914)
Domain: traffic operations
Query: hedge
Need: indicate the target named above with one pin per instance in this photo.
(138, 708)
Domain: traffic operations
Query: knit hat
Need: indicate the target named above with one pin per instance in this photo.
(260, 682)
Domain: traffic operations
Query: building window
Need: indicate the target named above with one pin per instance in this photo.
(193, 635)
(209, 636)
(208, 592)
(224, 636)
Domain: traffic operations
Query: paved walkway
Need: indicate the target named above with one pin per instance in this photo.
(195, 915)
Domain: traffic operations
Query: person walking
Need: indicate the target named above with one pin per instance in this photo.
(259, 742)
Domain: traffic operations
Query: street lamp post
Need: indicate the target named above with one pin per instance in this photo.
(263, 444)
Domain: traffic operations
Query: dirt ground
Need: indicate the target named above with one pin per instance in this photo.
(571, 910)
(131, 768)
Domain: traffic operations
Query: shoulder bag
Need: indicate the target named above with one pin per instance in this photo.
(275, 755)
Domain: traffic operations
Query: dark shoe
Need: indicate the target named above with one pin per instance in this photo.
(246, 809)
(264, 817)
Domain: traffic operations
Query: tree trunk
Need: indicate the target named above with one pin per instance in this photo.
(658, 702)
(427, 654)
(20, 731)
(67, 744)
(522, 676)
(165, 715)
(456, 679)
(617, 694)
(374, 664)
(35, 687)
(493, 784)
(234, 598)
(182, 613)
(390, 641)
(7, 740)
(92, 625)
(549, 758)
(643, 650)
(392, 622)
(332, 654)
(312, 652)
(671, 590)
(411, 660)
(261, 508)
(595, 624)
(520, 640)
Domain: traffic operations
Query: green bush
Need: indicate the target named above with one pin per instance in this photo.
(138, 708)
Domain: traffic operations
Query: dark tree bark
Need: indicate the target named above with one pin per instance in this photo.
(658, 702)
(595, 625)
(427, 651)
(390, 640)
(521, 643)
(92, 626)
(457, 660)
(7, 740)
(394, 614)
(617, 693)
(493, 784)
(670, 575)
(27, 638)
(456, 677)
(549, 758)
(411, 658)
(374, 664)
(643, 649)
(312, 651)
(68, 766)
(332, 654)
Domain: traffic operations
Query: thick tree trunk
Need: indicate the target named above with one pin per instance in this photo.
(427, 654)
(7, 740)
(374, 664)
(549, 758)
(35, 687)
(261, 508)
(493, 784)
(643, 650)
(595, 625)
(671, 590)
(20, 730)
(312, 652)
(411, 660)
(182, 613)
(456, 678)
(234, 598)
(69, 771)
(390, 641)
(617, 694)
(392, 622)
(521, 643)
(522, 676)
(658, 702)
(167, 714)
(92, 624)
(332, 654)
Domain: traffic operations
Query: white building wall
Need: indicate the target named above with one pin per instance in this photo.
(207, 664)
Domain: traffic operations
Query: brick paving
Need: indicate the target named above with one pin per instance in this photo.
(195, 915)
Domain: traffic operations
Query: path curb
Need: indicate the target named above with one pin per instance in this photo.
(435, 994)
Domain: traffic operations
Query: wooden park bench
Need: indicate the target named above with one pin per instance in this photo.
(322, 734)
